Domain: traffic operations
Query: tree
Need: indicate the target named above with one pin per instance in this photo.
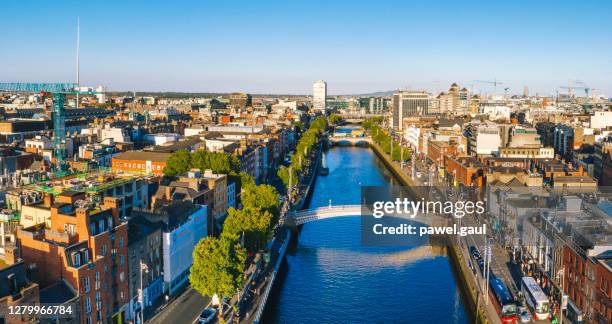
(178, 163)
(264, 198)
(254, 224)
(246, 181)
(283, 174)
(334, 119)
(218, 266)
(371, 122)
(218, 162)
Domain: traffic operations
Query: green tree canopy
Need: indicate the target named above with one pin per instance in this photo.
(253, 223)
(219, 162)
(283, 174)
(218, 266)
(264, 198)
(334, 119)
(178, 163)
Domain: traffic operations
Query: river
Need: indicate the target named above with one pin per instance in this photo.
(330, 277)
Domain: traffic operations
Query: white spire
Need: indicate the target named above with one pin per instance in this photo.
(78, 68)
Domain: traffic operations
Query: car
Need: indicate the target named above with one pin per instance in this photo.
(208, 315)
(524, 315)
(481, 265)
(475, 253)
(419, 174)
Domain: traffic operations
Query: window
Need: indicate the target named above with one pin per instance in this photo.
(121, 259)
(103, 249)
(77, 259)
(86, 284)
(122, 276)
(97, 277)
(121, 241)
(87, 305)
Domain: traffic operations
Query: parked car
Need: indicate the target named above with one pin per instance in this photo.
(418, 174)
(524, 315)
(475, 253)
(208, 315)
(481, 265)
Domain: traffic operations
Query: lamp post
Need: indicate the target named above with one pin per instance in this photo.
(561, 273)
(145, 269)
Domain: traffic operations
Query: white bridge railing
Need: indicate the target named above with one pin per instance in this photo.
(304, 216)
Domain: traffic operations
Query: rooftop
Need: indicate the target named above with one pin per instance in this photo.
(59, 292)
(154, 156)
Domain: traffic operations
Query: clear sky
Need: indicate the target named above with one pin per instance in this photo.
(283, 46)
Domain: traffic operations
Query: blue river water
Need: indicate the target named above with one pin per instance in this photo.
(330, 277)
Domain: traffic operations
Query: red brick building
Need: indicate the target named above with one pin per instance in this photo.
(466, 171)
(438, 151)
(588, 283)
(86, 246)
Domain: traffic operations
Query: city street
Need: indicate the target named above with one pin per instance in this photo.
(501, 264)
(183, 310)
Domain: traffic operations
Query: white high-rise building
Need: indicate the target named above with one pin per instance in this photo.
(319, 93)
(101, 94)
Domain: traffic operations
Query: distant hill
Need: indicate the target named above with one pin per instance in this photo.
(374, 94)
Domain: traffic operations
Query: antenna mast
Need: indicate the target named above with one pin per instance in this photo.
(78, 74)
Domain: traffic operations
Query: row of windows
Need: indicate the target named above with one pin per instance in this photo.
(138, 166)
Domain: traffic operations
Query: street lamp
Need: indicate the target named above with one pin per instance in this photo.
(145, 269)
(561, 273)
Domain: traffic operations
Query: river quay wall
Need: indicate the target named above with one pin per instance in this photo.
(466, 279)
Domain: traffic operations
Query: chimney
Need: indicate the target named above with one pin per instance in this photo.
(12, 283)
(168, 192)
(48, 200)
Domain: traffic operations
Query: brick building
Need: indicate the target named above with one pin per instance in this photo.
(86, 246)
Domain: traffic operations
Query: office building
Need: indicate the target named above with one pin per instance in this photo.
(409, 104)
(319, 93)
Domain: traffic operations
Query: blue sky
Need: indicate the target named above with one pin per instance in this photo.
(283, 46)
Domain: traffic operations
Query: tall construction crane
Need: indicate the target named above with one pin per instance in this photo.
(59, 92)
(495, 83)
(569, 89)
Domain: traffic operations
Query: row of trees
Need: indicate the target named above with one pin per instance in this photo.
(334, 119)
(384, 140)
(301, 159)
(219, 262)
(219, 162)
(371, 122)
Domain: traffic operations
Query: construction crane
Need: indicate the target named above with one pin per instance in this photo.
(59, 92)
(495, 83)
(569, 89)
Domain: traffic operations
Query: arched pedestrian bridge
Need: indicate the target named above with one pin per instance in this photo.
(349, 140)
(296, 218)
